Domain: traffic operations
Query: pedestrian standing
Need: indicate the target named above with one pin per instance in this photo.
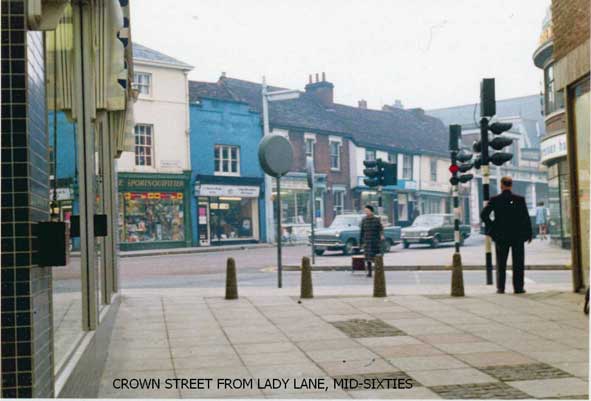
(509, 230)
(371, 237)
(542, 220)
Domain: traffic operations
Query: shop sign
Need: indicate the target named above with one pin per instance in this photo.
(241, 191)
(62, 194)
(147, 183)
(410, 185)
(170, 163)
(291, 183)
(553, 147)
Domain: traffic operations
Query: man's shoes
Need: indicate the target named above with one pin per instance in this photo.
(499, 291)
(368, 274)
(520, 292)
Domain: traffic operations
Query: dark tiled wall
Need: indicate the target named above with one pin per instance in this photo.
(27, 351)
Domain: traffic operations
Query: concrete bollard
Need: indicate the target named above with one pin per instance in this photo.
(379, 281)
(457, 277)
(306, 290)
(231, 280)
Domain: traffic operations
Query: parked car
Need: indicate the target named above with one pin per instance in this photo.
(343, 235)
(433, 229)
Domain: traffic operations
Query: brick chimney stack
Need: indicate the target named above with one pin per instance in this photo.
(362, 104)
(321, 89)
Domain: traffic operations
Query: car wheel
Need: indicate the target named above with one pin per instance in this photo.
(319, 252)
(387, 245)
(348, 249)
(406, 245)
(435, 242)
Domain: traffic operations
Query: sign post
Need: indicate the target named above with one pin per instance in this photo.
(312, 186)
(276, 158)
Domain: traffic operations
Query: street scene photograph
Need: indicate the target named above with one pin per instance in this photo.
(278, 199)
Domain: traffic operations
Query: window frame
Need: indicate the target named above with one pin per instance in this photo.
(368, 152)
(144, 146)
(312, 142)
(433, 170)
(218, 150)
(340, 195)
(336, 156)
(139, 85)
(407, 167)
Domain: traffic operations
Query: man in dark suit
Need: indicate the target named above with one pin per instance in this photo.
(510, 228)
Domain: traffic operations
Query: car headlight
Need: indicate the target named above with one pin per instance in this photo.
(403, 234)
(337, 234)
(424, 234)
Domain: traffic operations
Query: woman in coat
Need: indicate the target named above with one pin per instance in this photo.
(371, 236)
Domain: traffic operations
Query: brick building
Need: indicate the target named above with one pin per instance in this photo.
(571, 68)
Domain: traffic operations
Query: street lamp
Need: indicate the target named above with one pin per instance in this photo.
(275, 96)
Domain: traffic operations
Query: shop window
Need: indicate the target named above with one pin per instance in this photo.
(392, 158)
(151, 216)
(339, 202)
(433, 169)
(144, 142)
(310, 147)
(335, 155)
(143, 82)
(370, 155)
(403, 207)
(407, 167)
(227, 160)
(232, 218)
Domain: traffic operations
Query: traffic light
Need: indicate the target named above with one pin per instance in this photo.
(498, 143)
(460, 159)
(379, 173)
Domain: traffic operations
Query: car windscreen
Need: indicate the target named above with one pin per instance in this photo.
(345, 221)
(428, 220)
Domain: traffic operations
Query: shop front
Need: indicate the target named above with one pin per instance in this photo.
(554, 156)
(399, 201)
(153, 211)
(228, 210)
(296, 213)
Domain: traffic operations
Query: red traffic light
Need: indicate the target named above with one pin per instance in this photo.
(454, 168)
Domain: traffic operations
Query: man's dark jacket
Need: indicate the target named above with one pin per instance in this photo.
(511, 223)
(370, 235)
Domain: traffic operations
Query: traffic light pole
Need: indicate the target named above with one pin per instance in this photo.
(279, 264)
(486, 195)
(456, 203)
(380, 205)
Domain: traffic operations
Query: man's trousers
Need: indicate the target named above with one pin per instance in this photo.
(517, 255)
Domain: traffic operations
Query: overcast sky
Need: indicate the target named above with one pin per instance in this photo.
(427, 53)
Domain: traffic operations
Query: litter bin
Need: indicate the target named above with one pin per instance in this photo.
(357, 263)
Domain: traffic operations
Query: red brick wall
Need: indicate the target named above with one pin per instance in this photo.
(322, 166)
(570, 25)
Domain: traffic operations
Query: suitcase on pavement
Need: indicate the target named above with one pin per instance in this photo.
(357, 263)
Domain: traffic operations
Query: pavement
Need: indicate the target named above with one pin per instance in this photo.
(417, 343)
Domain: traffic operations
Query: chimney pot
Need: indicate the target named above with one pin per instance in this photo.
(224, 74)
(317, 77)
(323, 76)
(362, 104)
(310, 78)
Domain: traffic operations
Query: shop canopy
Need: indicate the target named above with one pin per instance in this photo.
(107, 38)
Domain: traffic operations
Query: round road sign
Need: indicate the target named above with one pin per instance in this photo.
(275, 155)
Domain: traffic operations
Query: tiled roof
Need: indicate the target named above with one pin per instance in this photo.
(146, 54)
(396, 129)
(212, 90)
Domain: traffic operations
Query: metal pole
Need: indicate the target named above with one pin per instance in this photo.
(456, 205)
(313, 224)
(380, 205)
(486, 195)
(279, 266)
(268, 180)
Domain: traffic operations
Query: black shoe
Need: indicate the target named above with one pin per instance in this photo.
(499, 291)
(368, 274)
(520, 291)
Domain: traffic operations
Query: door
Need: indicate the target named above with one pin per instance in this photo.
(203, 223)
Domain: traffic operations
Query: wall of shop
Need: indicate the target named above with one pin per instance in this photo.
(216, 122)
(27, 325)
(166, 109)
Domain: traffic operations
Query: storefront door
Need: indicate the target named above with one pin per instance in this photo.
(203, 223)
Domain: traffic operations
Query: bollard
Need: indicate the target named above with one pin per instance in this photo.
(379, 280)
(231, 280)
(457, 277)
(306, 284)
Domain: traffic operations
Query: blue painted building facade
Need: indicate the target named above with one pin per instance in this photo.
(227, 206)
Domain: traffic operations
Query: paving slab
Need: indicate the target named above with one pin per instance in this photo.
(553, 388)
(450, 347)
